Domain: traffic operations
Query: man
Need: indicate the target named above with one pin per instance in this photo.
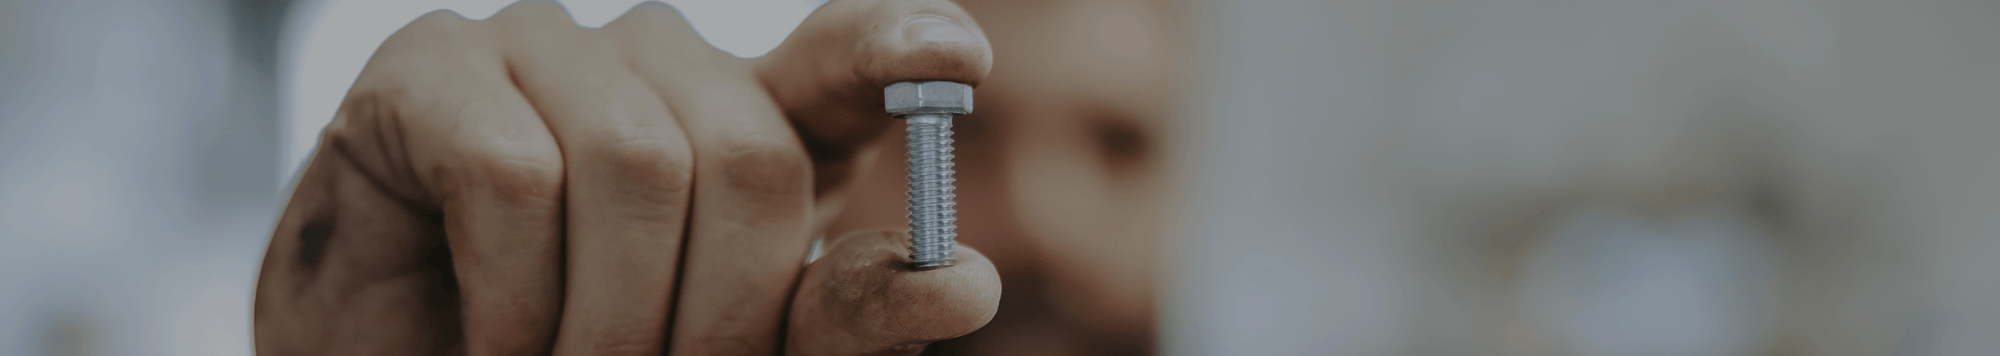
(522, 185)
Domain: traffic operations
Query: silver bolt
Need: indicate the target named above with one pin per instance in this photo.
(927, 109)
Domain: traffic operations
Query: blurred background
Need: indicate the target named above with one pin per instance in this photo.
(1374, 177)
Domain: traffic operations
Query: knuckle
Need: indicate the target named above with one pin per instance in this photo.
(514, 173)
(440, 17)
(767, 168)
(654, 10)
(651, 17)
(534, 13)
(655, 170)
(416, 50)
(366, 133)
(659, 32)
(432, 27)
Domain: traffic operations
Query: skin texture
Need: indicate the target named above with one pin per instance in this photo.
(864, 299)
(523, 185)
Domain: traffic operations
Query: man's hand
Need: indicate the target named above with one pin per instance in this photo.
(522, 185)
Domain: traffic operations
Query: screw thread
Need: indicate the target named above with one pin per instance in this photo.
(933, 220)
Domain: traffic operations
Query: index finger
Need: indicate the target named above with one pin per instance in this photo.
(829, 74)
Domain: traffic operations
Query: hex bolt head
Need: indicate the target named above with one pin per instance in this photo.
(935, 97)
(927, 109)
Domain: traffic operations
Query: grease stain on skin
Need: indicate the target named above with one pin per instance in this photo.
(312, 243)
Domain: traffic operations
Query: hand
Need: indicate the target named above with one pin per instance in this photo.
(522, 185)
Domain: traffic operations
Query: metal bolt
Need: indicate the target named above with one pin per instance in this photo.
(927, 109)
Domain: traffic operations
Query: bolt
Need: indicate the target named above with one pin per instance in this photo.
(927, 109)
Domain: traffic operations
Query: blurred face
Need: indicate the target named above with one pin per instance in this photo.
(1064, 170)
(1085, 101)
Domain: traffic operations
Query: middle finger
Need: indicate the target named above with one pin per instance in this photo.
(752, 192)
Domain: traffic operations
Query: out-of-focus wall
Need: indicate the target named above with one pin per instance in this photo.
(137, 147)
(1535, 177)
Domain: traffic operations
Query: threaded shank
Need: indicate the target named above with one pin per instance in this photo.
(933, 214)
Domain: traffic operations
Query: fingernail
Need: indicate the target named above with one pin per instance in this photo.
(921, 29)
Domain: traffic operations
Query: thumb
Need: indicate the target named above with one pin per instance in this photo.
(829, 74)
(863, 299)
